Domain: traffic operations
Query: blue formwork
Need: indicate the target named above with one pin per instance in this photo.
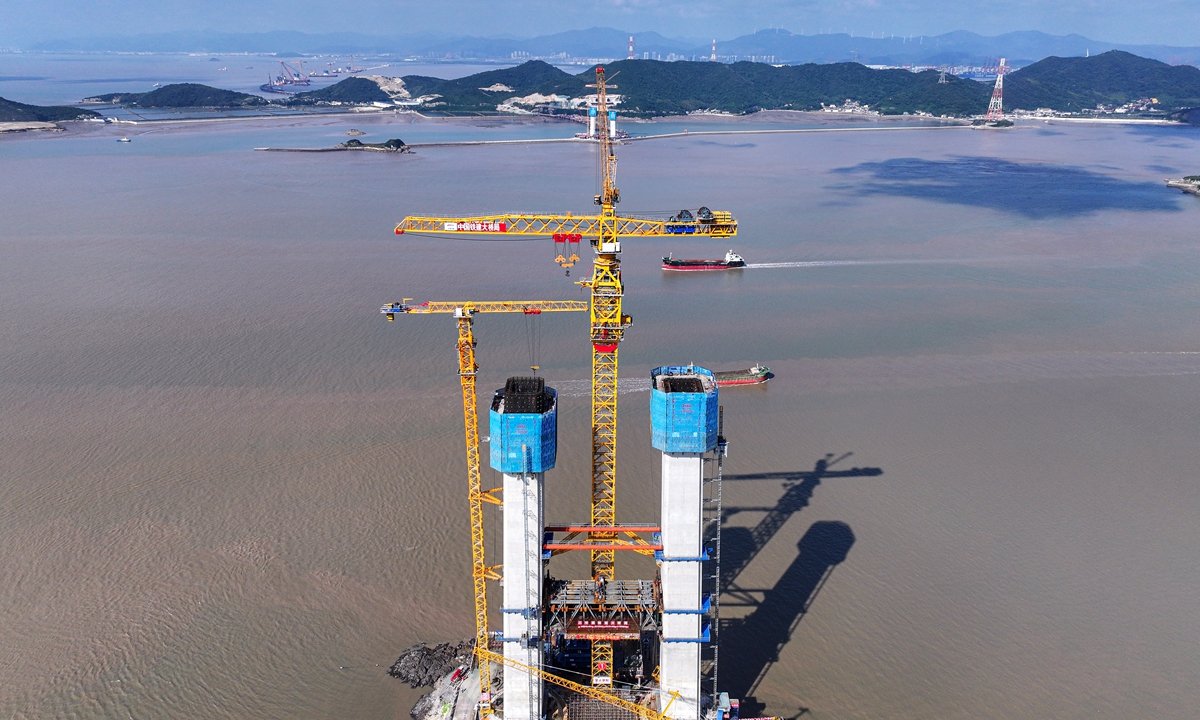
(536, 433)
(683, 422)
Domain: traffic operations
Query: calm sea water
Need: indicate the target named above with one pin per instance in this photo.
(229, 489)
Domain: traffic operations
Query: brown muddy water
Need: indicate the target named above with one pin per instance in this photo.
(229, 489)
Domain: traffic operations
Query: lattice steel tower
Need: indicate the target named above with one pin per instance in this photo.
(996, 106)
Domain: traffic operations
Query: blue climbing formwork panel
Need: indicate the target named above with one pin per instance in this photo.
(523, 441)
(683, 409)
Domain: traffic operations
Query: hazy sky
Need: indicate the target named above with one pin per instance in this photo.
(1175, 22)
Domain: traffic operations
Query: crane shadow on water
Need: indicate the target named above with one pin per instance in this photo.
(750, 645)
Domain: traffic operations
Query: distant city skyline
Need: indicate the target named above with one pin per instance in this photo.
(1167, 22)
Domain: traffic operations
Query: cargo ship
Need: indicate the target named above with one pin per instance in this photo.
(731, 261)
(750, 376)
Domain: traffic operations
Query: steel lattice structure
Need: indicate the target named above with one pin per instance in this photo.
(587, 691)
(996, 106)
(608, 323)
(464, 313)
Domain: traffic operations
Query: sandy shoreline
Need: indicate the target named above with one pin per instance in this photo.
(643, 129)
(782, 117)
(14, 127)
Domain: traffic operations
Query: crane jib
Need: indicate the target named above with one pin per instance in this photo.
(572, 228)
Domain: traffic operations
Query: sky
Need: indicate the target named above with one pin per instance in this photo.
(1168, 22)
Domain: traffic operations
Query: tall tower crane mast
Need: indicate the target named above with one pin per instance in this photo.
(464, 314)
(608, 322)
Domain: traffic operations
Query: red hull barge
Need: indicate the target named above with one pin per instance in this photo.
(751, 376)
(731, 261)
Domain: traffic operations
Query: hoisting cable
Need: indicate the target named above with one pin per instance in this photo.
(533, 341)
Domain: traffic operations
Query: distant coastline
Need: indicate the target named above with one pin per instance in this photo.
(1112, 85)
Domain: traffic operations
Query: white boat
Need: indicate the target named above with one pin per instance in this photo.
(124, 139)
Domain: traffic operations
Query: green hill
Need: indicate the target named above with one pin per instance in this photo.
(650, 87)
(354, 90)
(466, 94)
(184, 95)
(1188, 115)
(1113, 78)
(668, 88)
(19, 112)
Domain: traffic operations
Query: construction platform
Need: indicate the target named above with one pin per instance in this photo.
(612, 610)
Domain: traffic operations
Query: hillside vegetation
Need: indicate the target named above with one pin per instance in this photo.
(466, 94)
(650, 87)
(19, 112)
(183, 95)
(354, 90)
(660, 88)
(1114, 78)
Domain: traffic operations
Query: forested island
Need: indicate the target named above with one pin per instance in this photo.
(183, 95)
(15, 112)
(649, 88)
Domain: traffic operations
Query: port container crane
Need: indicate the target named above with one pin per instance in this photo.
(464, 314)
(608, 324)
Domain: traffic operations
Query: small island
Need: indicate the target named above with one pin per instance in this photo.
(19, 117)
(1188, 184)
(182, 95)
(395, 145)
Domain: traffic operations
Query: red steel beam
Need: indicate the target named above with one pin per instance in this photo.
(597, 546)
(603, 528)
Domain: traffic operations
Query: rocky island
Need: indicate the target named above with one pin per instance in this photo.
(1188, 184)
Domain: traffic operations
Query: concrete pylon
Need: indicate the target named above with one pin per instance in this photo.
(523, 423)
(683, 416)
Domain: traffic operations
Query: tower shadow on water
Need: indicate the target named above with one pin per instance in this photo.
(751, 645)
(740, 545)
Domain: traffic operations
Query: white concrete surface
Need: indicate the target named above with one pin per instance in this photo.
(523, 524)
(679, 662)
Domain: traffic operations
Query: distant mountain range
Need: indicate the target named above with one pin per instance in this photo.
(959, 48)
(671, 88)
(653, 88)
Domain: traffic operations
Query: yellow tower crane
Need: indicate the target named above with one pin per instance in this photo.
(608, 323)
(464, 314)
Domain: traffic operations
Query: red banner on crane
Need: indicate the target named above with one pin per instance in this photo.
(476, 227)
